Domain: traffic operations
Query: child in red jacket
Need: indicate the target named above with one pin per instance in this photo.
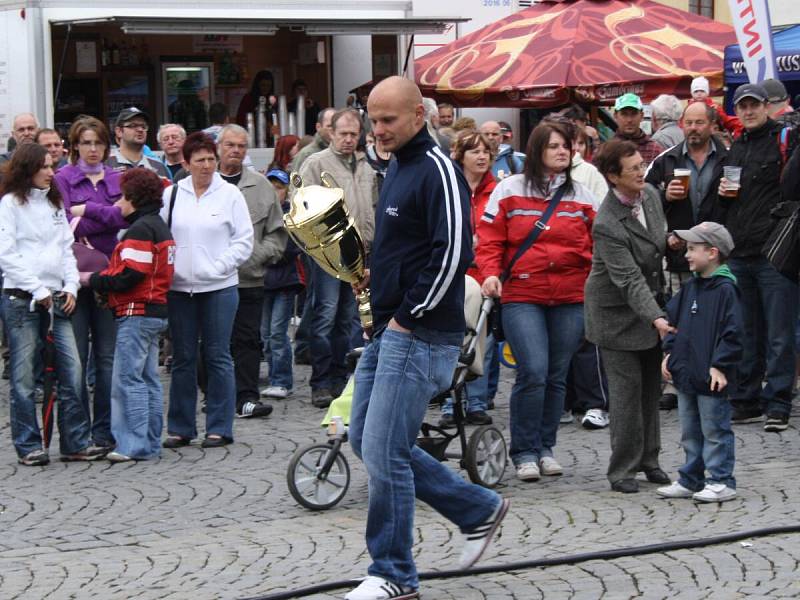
(136, 284)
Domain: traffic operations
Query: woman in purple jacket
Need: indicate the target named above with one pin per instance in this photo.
(90, 190)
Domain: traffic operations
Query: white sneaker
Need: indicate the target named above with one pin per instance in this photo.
(674, 490)
(478, 539)
(566, 417)
(715, 492)
(118, 457)
(275, 391)
(378, 588)
(595, 418)
(549, 466)
(528, 471)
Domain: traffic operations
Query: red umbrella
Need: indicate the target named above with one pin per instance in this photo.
(586, 50)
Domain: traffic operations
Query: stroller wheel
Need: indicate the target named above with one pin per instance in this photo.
(308, 484)
(486, 456)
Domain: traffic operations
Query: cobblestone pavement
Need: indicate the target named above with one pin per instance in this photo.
(220, 523)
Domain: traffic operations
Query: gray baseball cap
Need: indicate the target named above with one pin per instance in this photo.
(776, 91)
(709, 233)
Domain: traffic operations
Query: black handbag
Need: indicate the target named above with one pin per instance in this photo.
(782, 248)
(495, 318)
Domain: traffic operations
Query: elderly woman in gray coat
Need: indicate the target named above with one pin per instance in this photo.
(623, 316)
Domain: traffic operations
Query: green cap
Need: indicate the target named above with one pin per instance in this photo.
(628, 101)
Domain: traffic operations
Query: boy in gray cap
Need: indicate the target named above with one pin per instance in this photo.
(701, 358)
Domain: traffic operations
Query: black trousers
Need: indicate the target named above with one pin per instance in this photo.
(246, 344)
(587, 386)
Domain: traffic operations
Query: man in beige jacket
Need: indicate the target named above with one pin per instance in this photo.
(334, 309)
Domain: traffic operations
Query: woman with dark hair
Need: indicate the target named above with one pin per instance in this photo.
(40, 275)
(136, 284)
(286, 148)
(623, 314)
(213, 235)
(473, 152)
(90, 190)
(542, 291)
(263, 85)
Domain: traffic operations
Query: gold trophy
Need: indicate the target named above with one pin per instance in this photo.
(320, 223)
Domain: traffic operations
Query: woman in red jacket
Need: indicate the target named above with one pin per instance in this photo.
(473, 153)
(543, 296)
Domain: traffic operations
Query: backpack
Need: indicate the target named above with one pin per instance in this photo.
(782, 248)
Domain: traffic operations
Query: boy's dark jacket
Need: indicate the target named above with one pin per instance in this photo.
(283, 274)
(708, 317)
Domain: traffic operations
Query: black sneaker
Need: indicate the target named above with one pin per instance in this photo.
(668, 402)
(321, 398)
(776, 422)
(478, 417)
(302, 358)
(88, 453)
(36, 458)
(746, 414)
(447, 421)
(253, 409)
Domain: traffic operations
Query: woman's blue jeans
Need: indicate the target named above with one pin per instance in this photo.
(137, 398)
(91, 321)
(26, 331)
(396, 377)
(277, 312)
(207, 315)
(543, 340)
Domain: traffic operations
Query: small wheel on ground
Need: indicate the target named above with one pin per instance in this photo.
(308, 486)
(486, 456)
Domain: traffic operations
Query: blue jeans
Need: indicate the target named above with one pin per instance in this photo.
(395, 379)
(543, 340)
(302, 335)
(137, 399)
(331, 329)
(477, 389)
(207, 315)
(277, 312)
(707, 440)
(769, 312)
(26, 332)
(91, 320)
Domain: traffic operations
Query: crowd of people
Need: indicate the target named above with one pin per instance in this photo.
(631, 275)
(584, 308)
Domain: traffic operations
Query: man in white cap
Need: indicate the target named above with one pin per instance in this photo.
(700, 92)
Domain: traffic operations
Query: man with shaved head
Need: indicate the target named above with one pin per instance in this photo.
(23, 130)
(506, 162)
(420, 253)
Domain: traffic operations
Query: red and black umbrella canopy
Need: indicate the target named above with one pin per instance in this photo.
(586, 50)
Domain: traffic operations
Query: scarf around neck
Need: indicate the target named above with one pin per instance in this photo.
(88, 169)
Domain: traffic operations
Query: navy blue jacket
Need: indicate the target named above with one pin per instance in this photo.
(283, 274)
(422, 245)
(708, 316)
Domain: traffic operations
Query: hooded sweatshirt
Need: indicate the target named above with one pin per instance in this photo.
(708, 317)
(36, 246)
(213, 235)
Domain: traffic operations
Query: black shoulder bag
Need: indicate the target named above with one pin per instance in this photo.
(172, 204)
(538, 228)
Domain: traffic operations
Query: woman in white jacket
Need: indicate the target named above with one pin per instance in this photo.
(40, 274)
(213, 236)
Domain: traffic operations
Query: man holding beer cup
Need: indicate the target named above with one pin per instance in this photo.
(687, 177)
(769, 300)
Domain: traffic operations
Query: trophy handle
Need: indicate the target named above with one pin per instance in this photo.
(327, 180)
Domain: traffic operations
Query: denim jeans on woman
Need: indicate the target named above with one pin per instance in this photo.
(278, 310)
(91, 321)
(26, 331)
(395, 379)
(137, 399)
(207, 315)
(543, 340)
(707, 440)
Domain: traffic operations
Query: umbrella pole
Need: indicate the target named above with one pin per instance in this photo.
(50, 386)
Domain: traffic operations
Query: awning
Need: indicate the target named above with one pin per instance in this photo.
(591, 51)
(264, 26)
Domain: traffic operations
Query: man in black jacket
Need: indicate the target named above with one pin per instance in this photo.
(420, 253)
(703, 156)
(769, 300)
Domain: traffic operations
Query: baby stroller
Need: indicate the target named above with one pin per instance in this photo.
(318, 474)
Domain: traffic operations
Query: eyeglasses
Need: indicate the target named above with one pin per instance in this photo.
(138, 126)
(640, 168)
(92, 144)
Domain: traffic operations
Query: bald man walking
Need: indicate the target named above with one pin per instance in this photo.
(421, 251)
